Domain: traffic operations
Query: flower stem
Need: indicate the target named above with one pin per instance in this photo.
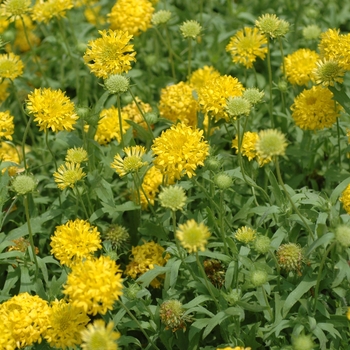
(222, 222)
(270, 81)
(120, 121)
(339, 149)
(78, 195)
(24, 143)
(189, 58)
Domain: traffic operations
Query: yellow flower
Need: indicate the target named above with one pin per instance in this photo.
(68, 175)
(65, 325)
(348, 314)
(108, 126)
(178, 104)
(11, 66)
(179, 151)
(133, 16)
(245, 234)
(26, 317)
(150, 184)
(201, 76)
(8, 153)
(75, 240)
(335, 46)
(212, 97)
(4, 94)
(345, 199)
(300, 66)
(190, 29)
(271, 142)
(272, 26)
(44, 11)
(193, 236)
(315, 109)
(97, 336)
(172, 197)
(7, 342)
(110, 54)
(131, 163)
(144, 258)
(328, 72)
(93, 15)
(76, 155)
(14, 8)
(51, 109)
(246, 45)
(94, 285)
(7, 127)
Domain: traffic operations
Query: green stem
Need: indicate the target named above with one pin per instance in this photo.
(24, 143)
(282, 55)
(222, 222)
(317, 287)
(150, 206)
(270, 81)
(120, 121)
(278, 270)
(339, 149)
(171, 59)
(279, 177)
(189, 58)
(78, 195)
(31, 240)
(267, 303)
(138, 324)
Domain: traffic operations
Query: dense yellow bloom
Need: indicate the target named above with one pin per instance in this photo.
(110, 54)
(8, 153)
(193, 236)
(345, 199)
(26, 317)
(132, 161)
(94, 285)
(75, 240)
(4, 94)
(315, 109)
(335, 46)
(246, 45)
(144, 258)
(150, 184)
(44, 11)
(108, 126)
(98, 336)
(14, 8)
(51, 109)
(11, 66)
(300, 66)
(212, 97)
(245, 234)
(178, 104)
(7, 342)
(179, 151)
(65, 325)
(201, 76)
(133, 16)
(67, 175)
(7, 127)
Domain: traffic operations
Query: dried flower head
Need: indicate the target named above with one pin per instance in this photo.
(23, 184)
(131, 163)
(172, 315)
(245, 234)
(117, 234)
(68, 174)
(246, 45)
(11, 66)
(290, 257)
(190, 29)
(110, 54)
(193, 236)
(76, 155)
(328, 72)
(161, 17)
(117, 84)
(271, 142)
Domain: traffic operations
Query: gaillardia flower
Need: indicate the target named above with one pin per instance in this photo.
(74, 241)
(201, 76)
(172, 315)
(44, 11)
(15, 8)
(150, 184)
(290, 257)
(328, 72)
(271, 142)
(94, 285)
(76, 155)
(133, 16)
(132, 161)
(245, 234)
(23, 184)
(272, 26)
(7, 126)
(193, 236)
(315, 109)
(110, 54)
(68, 174)
(345, 199)
(190, 29)
(11, 66)
(179, 151)
(246, 45)
(300, 66)
(161, 17)
(172, 197)
(51, 109)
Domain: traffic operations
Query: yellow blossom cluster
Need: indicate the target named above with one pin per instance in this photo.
(44, 11)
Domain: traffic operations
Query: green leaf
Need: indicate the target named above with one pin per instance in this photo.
(279, 197)
(174, 271)
(338, 190)
(150, 275)
(341, 97)
(196, 301)
(324, 240)
(215, 321)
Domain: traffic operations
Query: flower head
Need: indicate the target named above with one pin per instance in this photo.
(178, 104)
(238, 106)
(300, 66)
(23, 184)
(212, 97)
(246, 45)
(270, 143)
(65, 324)
(76, 155)
(7, 126)
(223, 181)
(118, 235)
(14, 8)
(201, 76)
(110, 54)
(190, 29)
(74, 241)
(144, 258)
(161, 17)
(342, 235)
(133, 16)
(262, 244)
(290, 257)
(172, 197)
(271, 25)
(258, 277)
(345, 199)
(94, 285)
(253, 95)
(315, 109)
(117, 84)
(45, 11)
(98, 336)
(193, 236)
(245, 234)
(311, 32)
(68, 174)
(11, 66)
(303, 342)
(328, 72)
(51, 109)
(179, 151)
(172, 315)
(131, 163)
(9, 153)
